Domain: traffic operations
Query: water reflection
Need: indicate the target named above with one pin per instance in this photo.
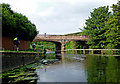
(63, 57)
(103, 69)
(82, 68)
(68, 70)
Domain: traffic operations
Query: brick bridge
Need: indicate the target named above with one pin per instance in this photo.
(60, 40)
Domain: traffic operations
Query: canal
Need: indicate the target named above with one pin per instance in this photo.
(66, 67)
(81, 68)
(71, 68)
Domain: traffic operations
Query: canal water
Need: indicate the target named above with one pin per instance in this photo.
(66, 68)
(81, 68)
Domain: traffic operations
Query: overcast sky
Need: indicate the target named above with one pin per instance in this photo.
(57, 16)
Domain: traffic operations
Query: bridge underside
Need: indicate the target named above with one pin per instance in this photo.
(60, 45)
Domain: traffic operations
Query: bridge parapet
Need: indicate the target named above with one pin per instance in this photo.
(62, 37)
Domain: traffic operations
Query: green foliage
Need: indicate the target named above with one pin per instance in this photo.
(75, 44)
(50, 56)
(113, 28)
(41, 45)
(95, 26)
(15, 24)
(71, 45)
(103, 69)
(103, 28)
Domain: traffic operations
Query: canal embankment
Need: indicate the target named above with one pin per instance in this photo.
(11, 60)
(23, 65)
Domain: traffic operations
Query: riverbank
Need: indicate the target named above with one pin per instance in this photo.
(26, 74)
(13, 59)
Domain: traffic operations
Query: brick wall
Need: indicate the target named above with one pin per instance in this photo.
(7, 44)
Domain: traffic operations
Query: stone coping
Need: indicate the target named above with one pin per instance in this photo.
(20, 52)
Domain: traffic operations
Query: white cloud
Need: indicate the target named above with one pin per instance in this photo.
(57, 16)
(47, 12)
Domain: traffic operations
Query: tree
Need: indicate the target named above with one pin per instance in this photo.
(95, 26)
(113, 28)
(15, 24)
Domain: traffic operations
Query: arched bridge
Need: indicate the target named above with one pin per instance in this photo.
(60, 40)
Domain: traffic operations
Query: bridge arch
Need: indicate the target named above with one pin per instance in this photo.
(60, 40)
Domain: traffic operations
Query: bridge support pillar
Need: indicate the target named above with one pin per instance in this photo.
(62, 47)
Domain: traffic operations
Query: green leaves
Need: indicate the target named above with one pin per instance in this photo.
(113, 28)
(15, 24)
(95, 26)
(103, 27)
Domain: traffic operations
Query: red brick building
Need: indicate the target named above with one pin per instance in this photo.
(7, 44)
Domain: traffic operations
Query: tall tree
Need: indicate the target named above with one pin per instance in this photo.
(95, 26)
(15, 24)
(113, 28)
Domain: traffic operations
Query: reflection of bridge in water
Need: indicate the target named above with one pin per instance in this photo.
(60, 40)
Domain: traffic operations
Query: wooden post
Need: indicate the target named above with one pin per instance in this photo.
(112, 52)
(83, 51)
(92, 51)
(102, 52)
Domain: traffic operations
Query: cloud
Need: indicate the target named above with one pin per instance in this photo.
(57, 16)
(47, 12)
(64, 17)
